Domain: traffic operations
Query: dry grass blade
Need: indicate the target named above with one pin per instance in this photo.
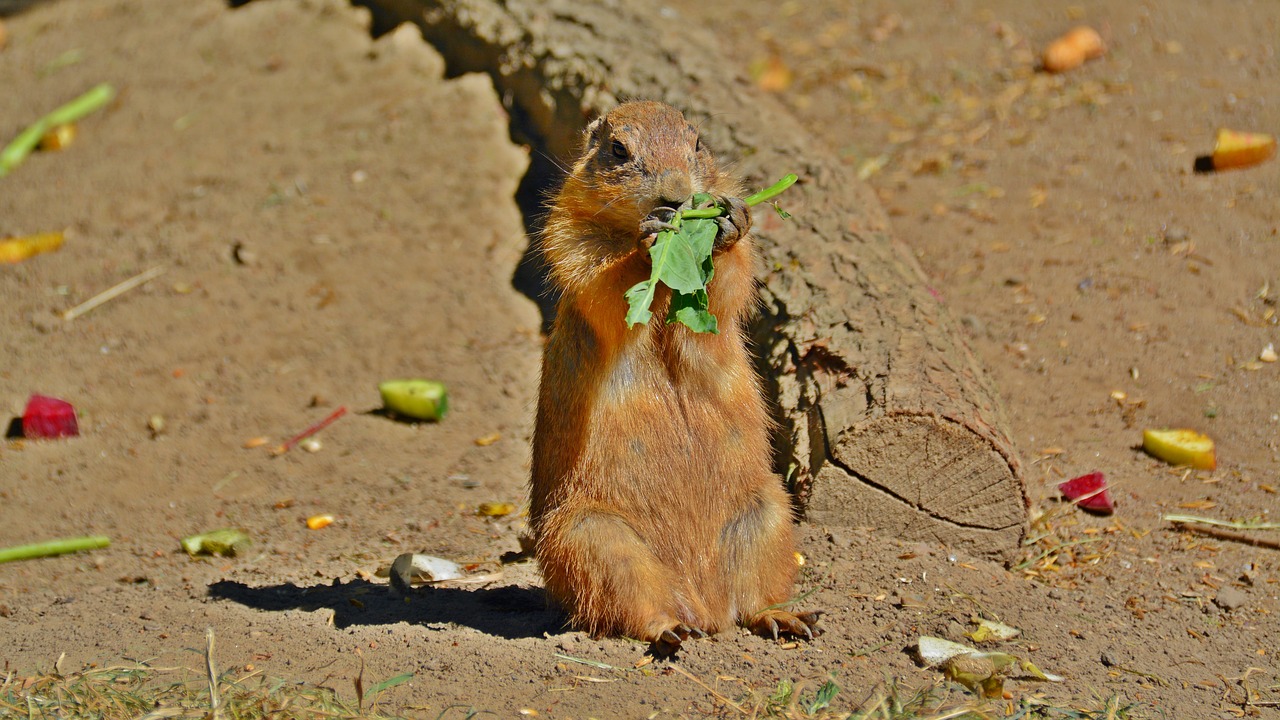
(709, 689)
(212, 674)
(112, 293)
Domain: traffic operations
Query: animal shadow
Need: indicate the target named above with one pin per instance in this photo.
(509, 611)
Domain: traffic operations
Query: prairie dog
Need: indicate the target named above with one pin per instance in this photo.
(654, 510)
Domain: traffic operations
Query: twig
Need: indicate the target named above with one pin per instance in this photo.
(112, 293)
(708, 688)
(1235, 537)
(288, 444)
(214, 707)
(53, 547)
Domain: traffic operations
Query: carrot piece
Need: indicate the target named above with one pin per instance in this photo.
(1072, 49)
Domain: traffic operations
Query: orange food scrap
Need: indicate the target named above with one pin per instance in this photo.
(15, 250)
(1072, 49)
(57, 137)
(1181, 447)
(771, 74)
(316, 522)
(1235, 149)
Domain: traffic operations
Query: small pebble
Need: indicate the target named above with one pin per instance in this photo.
(839, 538)
(243, 255)
(311, 445)
(44, 322)
(1230, 598)
(974, 324)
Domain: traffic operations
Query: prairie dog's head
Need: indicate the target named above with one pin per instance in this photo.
(643, 155)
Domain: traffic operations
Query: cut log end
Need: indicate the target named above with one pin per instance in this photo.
(922, 477)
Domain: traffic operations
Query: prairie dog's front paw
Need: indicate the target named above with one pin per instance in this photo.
(734, 224)
(657, 221)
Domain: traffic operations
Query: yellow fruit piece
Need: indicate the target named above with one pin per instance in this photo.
(315, 522)
(57, 137)
(1180, 447)
(495, 509)
(14, 250)
(1235, 149)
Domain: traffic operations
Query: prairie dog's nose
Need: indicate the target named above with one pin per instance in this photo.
(674, 187)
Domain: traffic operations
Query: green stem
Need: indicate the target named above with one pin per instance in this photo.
(764, 195)
(53, 547)
(27, 140)
(772, 191)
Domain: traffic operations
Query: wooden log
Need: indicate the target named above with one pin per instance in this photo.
(886, 419)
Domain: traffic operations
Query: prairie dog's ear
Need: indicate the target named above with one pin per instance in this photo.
(591, 136)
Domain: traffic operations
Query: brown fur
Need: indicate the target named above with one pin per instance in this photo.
(653, 504)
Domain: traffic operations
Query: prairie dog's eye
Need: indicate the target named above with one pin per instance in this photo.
(698, 146)
(619, 150)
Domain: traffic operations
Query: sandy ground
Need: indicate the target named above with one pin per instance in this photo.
(329, 212)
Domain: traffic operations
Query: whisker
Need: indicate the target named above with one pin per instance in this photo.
(554, 160)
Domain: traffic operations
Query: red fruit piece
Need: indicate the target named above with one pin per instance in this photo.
(1089, 492)
(47, 417)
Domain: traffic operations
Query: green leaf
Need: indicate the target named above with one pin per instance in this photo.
(690, 310)
(639, 298)
(701, 235)
(682, 260)
(388, 684)
(675, 263)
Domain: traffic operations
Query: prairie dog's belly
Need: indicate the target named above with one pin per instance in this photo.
(648, 434)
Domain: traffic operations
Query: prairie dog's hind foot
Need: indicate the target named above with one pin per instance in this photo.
(669, 640)
(774, 623)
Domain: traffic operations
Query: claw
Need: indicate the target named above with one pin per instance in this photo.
(667, 643)
(670, 640)
(774, 622)
(655, 226)
(658, 220)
